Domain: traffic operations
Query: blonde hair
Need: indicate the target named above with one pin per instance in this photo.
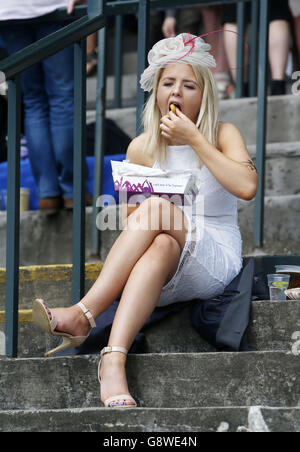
(207, 122)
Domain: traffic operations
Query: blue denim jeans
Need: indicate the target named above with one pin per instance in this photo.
(48, 89)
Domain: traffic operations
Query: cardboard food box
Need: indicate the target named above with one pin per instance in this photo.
(131, 180)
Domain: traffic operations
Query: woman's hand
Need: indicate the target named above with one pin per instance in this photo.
(169, 27)
(178, 129)
(72, 3)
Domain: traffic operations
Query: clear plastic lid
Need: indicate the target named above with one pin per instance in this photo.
(287, 268)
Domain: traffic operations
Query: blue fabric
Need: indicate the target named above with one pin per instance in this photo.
(27, 179)
(48, 89)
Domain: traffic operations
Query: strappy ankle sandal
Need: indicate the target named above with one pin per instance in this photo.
(117, 401)
(43, 317)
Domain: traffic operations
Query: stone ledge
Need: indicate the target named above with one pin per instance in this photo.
(169, 380)
(217, 419)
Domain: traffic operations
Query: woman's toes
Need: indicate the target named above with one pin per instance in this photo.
(122, 402)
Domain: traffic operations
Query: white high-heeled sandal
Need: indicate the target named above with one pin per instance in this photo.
(113, 402)
(43, 317)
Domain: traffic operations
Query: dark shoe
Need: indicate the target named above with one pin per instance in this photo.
(51, 205)
(277, 87)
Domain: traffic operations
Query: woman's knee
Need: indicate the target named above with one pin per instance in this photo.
(154, 202)
(157, 206)
(151, 212)
(166, 247)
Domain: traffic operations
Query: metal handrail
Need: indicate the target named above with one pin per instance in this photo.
(89, 20)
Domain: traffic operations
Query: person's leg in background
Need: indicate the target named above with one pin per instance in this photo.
(37, 126)
(212, 22)
(279, 40)
(58, 72)
(91, 55)
(230, 29)
(279, 45)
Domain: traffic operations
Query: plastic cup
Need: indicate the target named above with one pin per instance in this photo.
(24, 199)
(278, 283)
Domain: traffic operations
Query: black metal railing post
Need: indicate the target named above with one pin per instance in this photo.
(13, 217)
(143, 46)
(79, 172)
(118, 61)
(253, 49)
(261, 122)
(99, 7)
(240, 66)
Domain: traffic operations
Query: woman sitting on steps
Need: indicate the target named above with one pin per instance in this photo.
(166, 264)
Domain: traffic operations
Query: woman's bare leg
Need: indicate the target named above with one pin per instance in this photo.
(230, 40)
(279, 45)
(129, 247)
(230, 43)
(140, 295)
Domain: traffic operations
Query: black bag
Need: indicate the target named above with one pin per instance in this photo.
(116, 141)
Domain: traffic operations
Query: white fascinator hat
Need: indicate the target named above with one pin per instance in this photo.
(184, 48)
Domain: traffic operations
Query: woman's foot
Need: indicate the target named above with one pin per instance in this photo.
(113, 378)
(71, 320)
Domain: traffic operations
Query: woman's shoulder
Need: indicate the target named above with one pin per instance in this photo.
(227, 131)
(134, 151)
(227, 127)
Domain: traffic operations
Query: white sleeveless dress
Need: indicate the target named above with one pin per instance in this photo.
(212, 255)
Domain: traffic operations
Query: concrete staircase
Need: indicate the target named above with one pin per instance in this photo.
(189, 392)
(180, 382)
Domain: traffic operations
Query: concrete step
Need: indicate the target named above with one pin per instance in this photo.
(51, 241)
(282, 117)
(128, 89)
(216, 419)
(169, 380)
(281, 168)
(271, 327)
(51, 281)
(281, 224)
